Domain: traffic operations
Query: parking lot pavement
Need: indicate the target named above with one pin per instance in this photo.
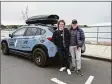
(19, 70)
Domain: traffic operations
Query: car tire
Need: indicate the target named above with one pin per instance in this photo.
(39, 57)
(5, 49)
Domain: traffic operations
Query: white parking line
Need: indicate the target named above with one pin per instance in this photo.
(89, 81)
(57, 81)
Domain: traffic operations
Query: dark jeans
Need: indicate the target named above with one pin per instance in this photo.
(64, 57)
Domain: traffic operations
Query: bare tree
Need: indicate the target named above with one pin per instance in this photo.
(25, 13)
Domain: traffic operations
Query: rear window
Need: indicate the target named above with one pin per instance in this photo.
(52, 29)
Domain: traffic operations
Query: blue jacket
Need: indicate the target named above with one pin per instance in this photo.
(80, 37)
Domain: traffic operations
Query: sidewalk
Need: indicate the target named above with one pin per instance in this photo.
(98, 52)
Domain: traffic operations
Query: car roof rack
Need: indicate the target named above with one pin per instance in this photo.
(46, 25)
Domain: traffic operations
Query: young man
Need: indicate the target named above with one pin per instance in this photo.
(61, 39)
(77, 39)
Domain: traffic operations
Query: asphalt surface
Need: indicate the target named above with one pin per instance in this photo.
(20, 70)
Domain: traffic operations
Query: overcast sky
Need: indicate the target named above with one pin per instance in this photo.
(84, 12)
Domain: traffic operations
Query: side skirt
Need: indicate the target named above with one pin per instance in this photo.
(27, 54)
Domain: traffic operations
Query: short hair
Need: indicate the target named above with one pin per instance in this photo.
(61, 21)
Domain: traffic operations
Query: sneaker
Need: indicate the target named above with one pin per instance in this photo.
(68, 71)
(79, 72)
(62, 68)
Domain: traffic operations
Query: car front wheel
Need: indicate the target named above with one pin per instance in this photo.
(39, 57)
(5, 49)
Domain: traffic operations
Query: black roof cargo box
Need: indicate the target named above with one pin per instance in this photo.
(43, 19)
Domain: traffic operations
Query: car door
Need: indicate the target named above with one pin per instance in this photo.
(30, 38)
(16, 40)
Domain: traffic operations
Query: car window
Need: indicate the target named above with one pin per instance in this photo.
(42, 31)
(19, 32)
(38, 31)
(31, 31)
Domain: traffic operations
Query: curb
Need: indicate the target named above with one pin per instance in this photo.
(97, 58)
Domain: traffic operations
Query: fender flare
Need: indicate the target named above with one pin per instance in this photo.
(43, 47)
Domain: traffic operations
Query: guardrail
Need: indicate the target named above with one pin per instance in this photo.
(95, 31)
(98, 33)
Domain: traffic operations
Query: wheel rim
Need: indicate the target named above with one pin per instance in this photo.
(38, 57)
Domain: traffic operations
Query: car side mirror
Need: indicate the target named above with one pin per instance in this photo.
(10, 35)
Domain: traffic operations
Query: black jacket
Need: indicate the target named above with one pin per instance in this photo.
(56, 38)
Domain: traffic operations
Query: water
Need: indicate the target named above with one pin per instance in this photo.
(104, 34)
(5, 33)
